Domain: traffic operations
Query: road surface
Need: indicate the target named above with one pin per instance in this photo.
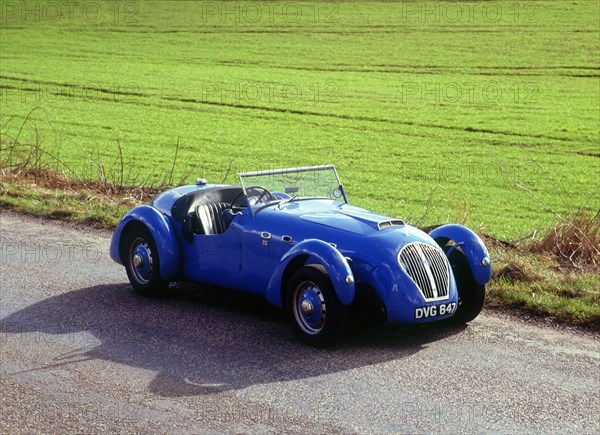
(81, 351)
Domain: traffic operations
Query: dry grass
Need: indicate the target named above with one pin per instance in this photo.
(48, 179)
(574, 243)
(516, 271)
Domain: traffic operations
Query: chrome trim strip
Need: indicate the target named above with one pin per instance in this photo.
(391, 223)
(287, 170)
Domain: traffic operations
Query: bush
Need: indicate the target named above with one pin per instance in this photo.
(575, 242)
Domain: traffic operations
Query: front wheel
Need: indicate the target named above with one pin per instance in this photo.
(317, 315)
(471, 294)
(142, 263)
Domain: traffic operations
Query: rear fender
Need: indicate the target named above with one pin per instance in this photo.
(335, 264)
(161, 229)
(473, 247)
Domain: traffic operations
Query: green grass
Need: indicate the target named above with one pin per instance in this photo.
(463, 113)
(543, 288)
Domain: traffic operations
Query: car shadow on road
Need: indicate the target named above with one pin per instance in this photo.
(203, 341)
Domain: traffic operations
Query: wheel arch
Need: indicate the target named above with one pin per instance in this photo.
(336, 266)
(472, 247)
(161, 230)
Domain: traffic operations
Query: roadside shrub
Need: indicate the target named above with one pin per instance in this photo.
(575, 242)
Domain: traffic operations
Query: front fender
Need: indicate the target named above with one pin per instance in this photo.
(334, 262)
(161, 229)
(472, 246)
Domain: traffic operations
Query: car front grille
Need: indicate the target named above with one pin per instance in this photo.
(427, 267)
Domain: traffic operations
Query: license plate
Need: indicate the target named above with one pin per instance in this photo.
(435, 310)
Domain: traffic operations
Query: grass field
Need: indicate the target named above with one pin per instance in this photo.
(485, 113)
(481, 112)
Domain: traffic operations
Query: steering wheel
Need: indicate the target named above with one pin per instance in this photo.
(253, 191)
(263, 194)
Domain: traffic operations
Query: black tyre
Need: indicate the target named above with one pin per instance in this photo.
(471, 294)
(317, 315)
(142, 263)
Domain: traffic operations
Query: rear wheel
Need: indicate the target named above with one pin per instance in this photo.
(142, 263)
(317, 315)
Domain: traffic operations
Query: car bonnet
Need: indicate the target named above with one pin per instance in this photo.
(348, 218)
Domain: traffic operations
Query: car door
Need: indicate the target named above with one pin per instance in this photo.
(216, 258)
(262, 247)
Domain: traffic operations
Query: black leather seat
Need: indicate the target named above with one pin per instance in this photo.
(210, 217)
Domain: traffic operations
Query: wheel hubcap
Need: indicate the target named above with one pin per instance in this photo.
(309, 308)
(141, 261)
(138, 260)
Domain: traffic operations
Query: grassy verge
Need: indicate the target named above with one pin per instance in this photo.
(529, 276)
(539, 284)
(82, 207)
(46, 194)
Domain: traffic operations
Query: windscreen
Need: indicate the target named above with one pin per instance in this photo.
(297, 183)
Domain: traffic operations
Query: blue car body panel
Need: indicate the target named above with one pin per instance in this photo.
(263, 245)
(472, 246)
(164, 236)
(319, 252)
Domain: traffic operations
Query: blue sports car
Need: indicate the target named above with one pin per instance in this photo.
(291, 236)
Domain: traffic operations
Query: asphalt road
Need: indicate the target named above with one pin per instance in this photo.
(80, 351)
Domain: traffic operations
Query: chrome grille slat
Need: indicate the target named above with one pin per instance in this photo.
(426, 265)
(418, 272)
(434, 262)
(441, 271)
